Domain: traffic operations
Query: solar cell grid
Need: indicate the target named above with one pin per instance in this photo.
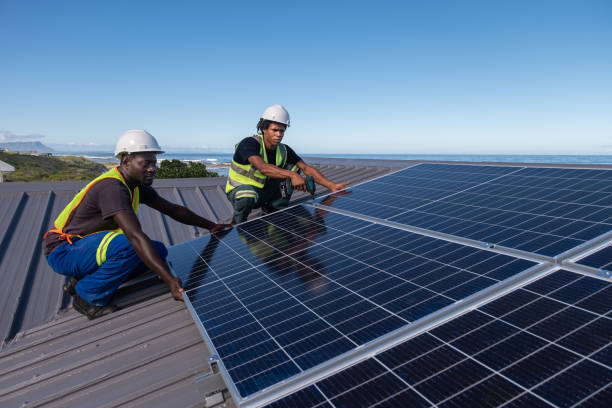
(414, 187)
(282, 294)
(541, 210)
(518, 350)
(277, 315)
(601, 259)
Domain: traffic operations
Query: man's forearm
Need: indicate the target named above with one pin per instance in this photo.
(148, 254)
(319, 178)
(275, 172)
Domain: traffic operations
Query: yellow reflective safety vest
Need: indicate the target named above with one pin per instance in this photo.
(64, 217)
(240, 174)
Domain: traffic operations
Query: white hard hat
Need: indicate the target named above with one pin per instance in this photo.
(136, 141)
(276, 113)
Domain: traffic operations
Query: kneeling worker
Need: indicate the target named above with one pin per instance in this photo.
(259, 164)
(97, 239)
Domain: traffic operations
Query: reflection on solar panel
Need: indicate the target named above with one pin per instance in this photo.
(542, 210)
(382, 295)
(547, 344)
(285, 304)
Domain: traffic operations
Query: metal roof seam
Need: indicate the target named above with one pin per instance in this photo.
(12, 225)
(206, 204)
(30, 273)
(65, 392)
(14, 281)
(163, 226)
(70, 331)
(103, 336)
(139, 395)
(181, 201)
(94, 358)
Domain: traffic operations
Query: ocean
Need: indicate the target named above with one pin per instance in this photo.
(219, 161)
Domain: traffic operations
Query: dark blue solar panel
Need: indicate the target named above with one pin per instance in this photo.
(543, 210)
(284, 293)
(601, 259)
(280, 295)
(413, 187)
(535, 346)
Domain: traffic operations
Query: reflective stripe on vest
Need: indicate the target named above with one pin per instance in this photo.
(64, 216)
(240, 174)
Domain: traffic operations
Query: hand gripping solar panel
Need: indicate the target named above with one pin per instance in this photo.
(278, 296)
(546, 211)
(547, 344)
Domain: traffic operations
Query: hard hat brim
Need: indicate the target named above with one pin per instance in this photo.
(120, 153)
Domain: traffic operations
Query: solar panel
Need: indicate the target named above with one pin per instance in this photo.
(316, 303)
(541, 210)
(413, 187)
(280, 295)
(546, 344)
(601, 259)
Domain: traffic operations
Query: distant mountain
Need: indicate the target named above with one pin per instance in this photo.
(26, 146)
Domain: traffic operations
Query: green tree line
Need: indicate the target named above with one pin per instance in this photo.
(41, 168)
(178, 169)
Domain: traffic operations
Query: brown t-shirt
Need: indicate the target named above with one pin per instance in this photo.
(95, 213)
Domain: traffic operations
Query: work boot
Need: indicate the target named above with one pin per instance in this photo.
(69, 286)
(89, 310)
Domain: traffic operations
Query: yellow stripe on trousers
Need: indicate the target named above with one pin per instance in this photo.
(101, 252)
(241, 194)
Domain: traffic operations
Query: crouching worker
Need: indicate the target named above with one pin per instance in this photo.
(98, 241)
(261, 162)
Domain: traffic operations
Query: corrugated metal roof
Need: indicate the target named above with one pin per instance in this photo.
(148, 353)
(6, 167)
(113, 360)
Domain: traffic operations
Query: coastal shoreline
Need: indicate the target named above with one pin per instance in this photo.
(110, 165)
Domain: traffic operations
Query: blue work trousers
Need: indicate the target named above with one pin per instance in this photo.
(97, 284)
(245, 198)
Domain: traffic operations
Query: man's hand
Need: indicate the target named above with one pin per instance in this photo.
(176, 288)
(220, 227)
(339, 186)
(298, 182)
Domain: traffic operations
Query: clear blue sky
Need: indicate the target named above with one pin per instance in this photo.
(400, 77)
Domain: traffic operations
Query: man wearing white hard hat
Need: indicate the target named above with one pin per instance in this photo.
(97, 240)
(261, 161)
